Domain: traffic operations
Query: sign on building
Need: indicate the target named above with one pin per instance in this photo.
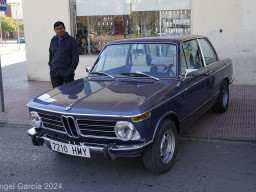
(3, 6)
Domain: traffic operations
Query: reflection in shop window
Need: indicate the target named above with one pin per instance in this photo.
(93, 32)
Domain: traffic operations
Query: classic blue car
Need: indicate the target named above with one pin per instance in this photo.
(139, 95)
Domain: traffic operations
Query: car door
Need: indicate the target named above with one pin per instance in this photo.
(197, 84)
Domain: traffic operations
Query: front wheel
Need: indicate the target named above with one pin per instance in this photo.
(161, 155)
(222, 102)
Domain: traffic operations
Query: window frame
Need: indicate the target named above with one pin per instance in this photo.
(200, 50)
(147, 50)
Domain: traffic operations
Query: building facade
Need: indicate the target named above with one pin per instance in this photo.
(228, 24)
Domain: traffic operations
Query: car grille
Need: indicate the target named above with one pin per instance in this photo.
(96, 128)
(85, 127)
(52, 122)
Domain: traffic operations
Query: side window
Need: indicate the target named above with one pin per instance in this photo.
(193, 54)
(208, 52)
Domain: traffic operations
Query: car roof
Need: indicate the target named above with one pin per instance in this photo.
(171, 39)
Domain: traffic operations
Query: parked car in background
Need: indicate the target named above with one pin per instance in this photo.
(139, 96)
(21, 40)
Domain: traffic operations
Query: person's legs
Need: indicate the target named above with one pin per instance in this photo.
(56, 81)
(69, 78)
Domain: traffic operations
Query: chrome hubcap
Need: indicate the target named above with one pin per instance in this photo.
(167, 146)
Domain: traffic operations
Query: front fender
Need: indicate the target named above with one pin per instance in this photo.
(169, 115)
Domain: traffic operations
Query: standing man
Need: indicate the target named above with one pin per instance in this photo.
(63, 56)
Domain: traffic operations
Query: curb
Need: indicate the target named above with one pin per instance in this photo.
(217, 139)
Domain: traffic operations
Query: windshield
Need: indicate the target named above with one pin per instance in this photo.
(152, 60)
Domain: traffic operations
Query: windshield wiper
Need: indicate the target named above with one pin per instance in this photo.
(140, 74)
(102, 73)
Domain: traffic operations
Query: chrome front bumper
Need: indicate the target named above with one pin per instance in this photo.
(109, 151)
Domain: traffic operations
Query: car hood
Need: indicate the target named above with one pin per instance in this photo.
(97, 97)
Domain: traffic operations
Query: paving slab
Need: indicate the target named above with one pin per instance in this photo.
(237, 123)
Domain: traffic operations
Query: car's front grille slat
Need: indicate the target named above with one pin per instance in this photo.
(52, 122)
(96, 127)
(99, 134)
(97, 130)
(53, 126)
(91, 125)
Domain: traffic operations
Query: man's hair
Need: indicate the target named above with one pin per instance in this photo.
(58, 23)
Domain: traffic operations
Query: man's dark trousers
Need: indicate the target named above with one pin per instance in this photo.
(61, 77)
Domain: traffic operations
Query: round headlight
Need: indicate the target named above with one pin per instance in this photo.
(35, 119)
(126, 131)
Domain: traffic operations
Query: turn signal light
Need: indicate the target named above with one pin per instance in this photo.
(141, 117)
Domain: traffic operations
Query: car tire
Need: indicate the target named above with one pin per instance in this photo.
(222, 102)
(160, 157)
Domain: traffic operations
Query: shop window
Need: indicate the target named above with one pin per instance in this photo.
(93, 32)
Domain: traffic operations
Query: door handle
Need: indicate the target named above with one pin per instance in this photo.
(209, 73)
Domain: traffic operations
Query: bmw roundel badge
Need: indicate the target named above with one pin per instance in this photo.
(67, 108)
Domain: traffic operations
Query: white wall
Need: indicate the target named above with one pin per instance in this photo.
(39, 18)
(237, 40)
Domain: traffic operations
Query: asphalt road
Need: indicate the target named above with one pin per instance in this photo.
(200, 167)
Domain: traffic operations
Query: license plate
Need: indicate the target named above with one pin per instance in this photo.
(70, 149)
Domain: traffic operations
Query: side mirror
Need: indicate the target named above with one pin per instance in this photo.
(88, 69)
(188, 72)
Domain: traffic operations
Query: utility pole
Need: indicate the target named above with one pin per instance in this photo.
(1, 90)
(17, 21)
(3, 7)
(1, 30)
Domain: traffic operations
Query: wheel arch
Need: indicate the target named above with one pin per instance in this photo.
(226, 79)
(171, 116)
(222, 81)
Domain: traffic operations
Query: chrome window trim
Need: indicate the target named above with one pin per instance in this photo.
(201, 51)
(210, 45)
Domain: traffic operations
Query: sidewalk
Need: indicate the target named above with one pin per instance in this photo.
(237, 124)
(11, 46)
